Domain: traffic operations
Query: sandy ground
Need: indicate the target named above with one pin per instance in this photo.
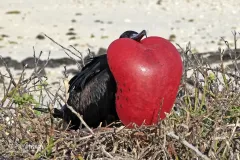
(96, 23)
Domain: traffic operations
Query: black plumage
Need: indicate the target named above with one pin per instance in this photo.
(92, 92)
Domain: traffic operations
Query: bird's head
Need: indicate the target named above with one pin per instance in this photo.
(134, 35)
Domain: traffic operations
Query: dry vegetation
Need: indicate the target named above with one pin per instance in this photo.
(204, 124)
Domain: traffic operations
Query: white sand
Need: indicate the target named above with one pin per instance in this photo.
(211, 20)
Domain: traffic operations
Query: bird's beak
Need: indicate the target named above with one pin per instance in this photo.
(139, 36)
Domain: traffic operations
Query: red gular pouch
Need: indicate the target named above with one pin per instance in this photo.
(148, 75)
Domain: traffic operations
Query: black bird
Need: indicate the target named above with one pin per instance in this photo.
(92, 92)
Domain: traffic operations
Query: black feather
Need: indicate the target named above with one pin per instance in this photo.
(92, 94)
(89, 71)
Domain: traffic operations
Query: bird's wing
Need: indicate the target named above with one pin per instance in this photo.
(90, 70)
(97, 99)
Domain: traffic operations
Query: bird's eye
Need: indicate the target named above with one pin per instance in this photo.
(133, 35)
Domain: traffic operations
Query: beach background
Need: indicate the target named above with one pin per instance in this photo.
(96, 23)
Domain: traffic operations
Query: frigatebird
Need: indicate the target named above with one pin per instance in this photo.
(92, 92)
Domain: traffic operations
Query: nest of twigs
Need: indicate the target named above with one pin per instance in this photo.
(204, 123)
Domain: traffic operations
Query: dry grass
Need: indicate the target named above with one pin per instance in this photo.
(204, 125)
